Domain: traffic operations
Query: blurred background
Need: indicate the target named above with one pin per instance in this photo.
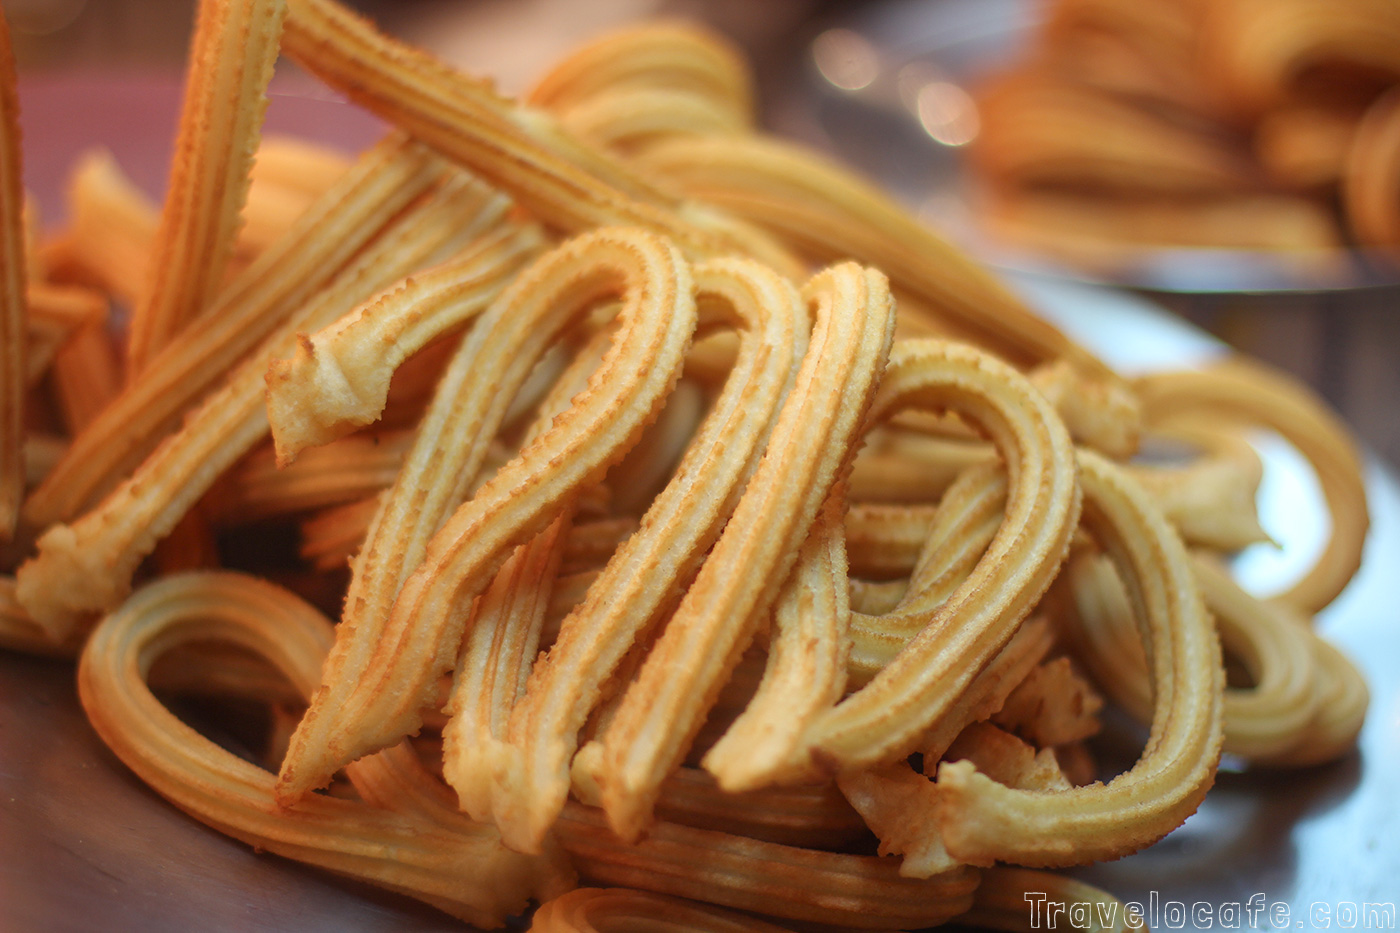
(824, 71)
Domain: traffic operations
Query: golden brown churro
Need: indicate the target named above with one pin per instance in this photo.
(567, 185)
(964, 633)
(810, 448)
(628, 604)
(982, 820)
(88, 565)
(1252, 393)
(830, 214)
(379, 695)
(363, 209)
(231, 56)
(678, 529)
(469, 874)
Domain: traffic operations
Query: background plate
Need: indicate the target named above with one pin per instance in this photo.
(960, 41)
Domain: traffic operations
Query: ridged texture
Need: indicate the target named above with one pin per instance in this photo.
(87, 566)
(1250, 393)
(460, 868)
(385, 667)
(231, 56)
(956, 639)
(810, 449)
(641, 580)
(983, 821)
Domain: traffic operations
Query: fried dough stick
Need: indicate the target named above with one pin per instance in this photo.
(13, 325)
(566, 184)
(1268, 721)
(811, 449)
(983, 821)
(645, 576)
(460, 868)
(504, 635)
(1210, 499)
(87, 566)
(651, 81)
(385, 670)
(331, 234)
(828, 213)
(854, 891)
(960, 636)
(806, 670)
(231, 57)
(1250, 393)
(651, 55)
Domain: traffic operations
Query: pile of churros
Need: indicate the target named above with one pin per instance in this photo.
(1259, 125)
(682, 536)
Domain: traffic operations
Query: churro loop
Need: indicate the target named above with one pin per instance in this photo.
(1342, 699)
(1272, 720)
(1277, 651)
(385, 670)
(497, 654)
(504, 636)
(679, 527)
(88, 565)
(13, 318)
(983, 821)
(462, 869)
(1249, 392)
(231, 57)
(811, 447)
(615, 910)
(959, 637)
